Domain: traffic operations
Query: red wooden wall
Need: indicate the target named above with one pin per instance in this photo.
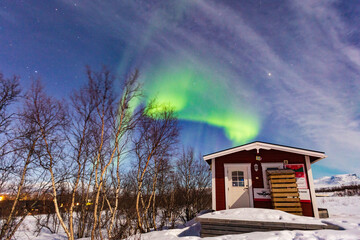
(257, 178)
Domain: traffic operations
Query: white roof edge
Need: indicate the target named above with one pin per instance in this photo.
(267, 146)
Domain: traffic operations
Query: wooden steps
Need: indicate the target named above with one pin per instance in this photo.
(284, 191)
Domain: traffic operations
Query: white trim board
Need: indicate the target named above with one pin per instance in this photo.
(311, 187)
(266, 146)
(213, 185)
(248, 165)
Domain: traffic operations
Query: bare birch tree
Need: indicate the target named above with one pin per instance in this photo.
(50, 118)
(9, 93)
(25, 148)
(157, 134)
(193, 183)
(82, 149)
(115, 119)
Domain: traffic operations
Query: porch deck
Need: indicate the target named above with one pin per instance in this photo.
(212, 227)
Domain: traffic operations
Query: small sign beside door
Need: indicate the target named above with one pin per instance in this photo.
(262, 193)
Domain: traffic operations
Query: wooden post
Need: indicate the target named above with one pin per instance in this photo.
(312, 187)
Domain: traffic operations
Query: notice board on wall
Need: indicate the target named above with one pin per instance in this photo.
(300, 175)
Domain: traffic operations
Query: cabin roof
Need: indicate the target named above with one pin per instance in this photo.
(317, 155)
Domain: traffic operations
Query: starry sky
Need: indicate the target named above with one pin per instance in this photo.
(285, 72)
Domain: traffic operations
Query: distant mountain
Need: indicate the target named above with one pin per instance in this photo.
(337, 181)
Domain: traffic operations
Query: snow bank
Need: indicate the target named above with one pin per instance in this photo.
(341, 207)
(259, 214)
(344, 212)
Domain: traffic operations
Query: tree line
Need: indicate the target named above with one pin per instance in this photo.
(110, 166)
(344, 190)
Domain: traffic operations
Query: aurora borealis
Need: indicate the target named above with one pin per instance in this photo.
(196, 96)
(285, 72)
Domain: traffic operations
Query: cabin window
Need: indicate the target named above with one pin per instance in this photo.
(237, 178)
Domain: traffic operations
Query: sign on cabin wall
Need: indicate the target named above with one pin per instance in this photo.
(262, 193)
(304, 194)
(299, 175)
(265, 194)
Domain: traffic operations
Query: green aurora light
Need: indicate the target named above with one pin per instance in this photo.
(195, 97)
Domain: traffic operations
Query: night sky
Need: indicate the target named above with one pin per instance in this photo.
(285, 72)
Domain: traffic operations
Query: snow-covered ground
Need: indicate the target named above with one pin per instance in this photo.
(27, 231)
(344, 211)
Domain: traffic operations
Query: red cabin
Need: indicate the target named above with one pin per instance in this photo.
(239, 176)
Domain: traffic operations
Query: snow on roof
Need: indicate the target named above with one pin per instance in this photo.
(259, 214)
(267, 146)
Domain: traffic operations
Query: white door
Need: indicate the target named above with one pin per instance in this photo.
(238, 187)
